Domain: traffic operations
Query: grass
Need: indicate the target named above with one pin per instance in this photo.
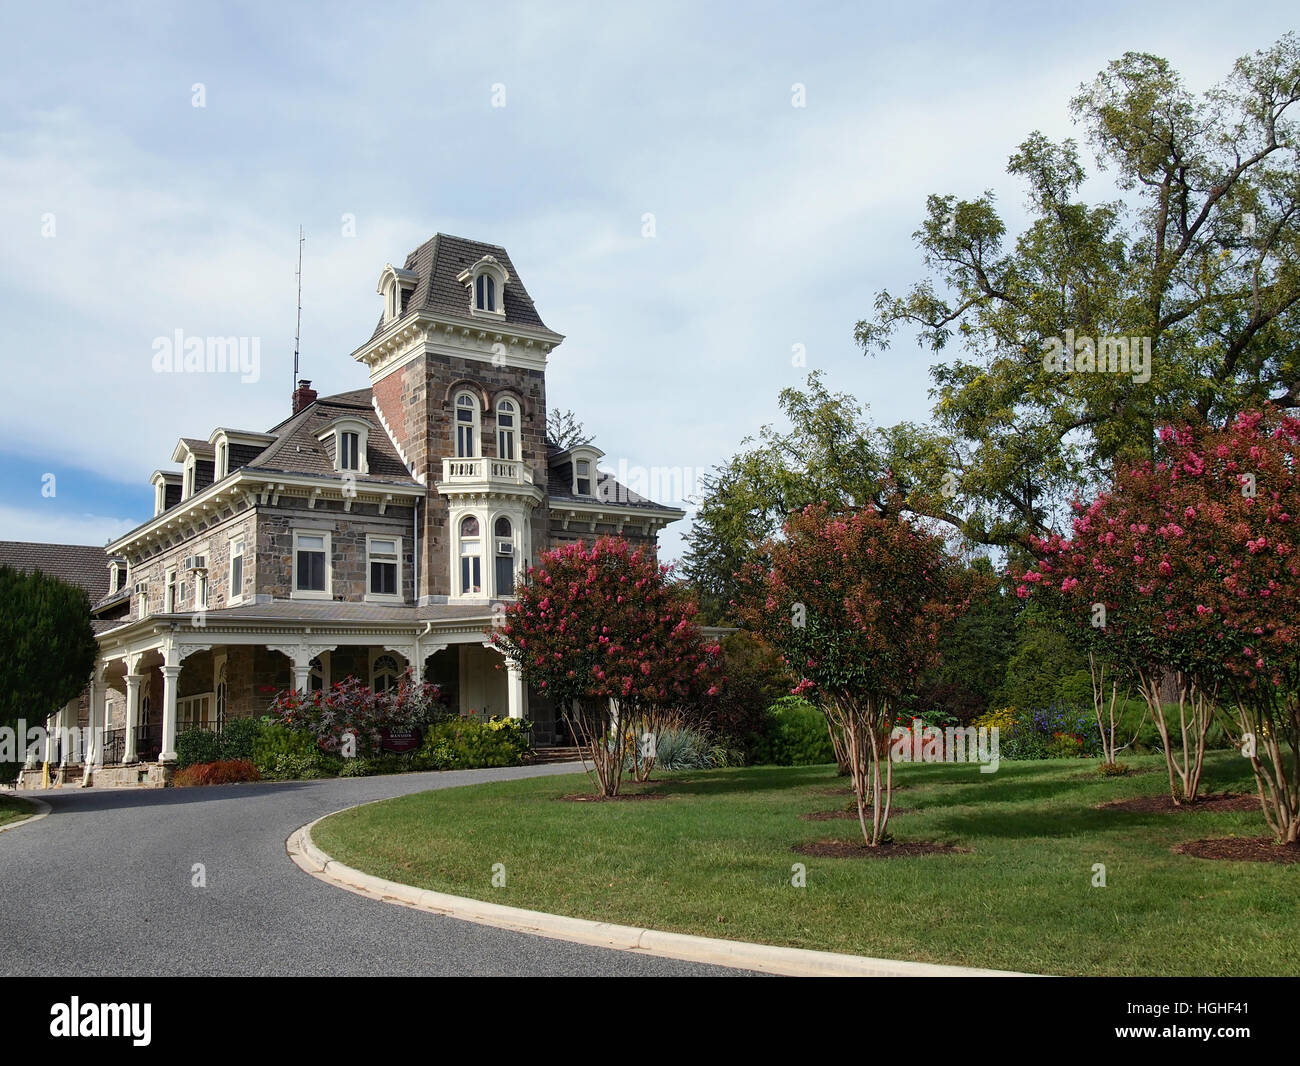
(12, 809)
(715, 859)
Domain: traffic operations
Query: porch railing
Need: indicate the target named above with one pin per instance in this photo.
(148, 744)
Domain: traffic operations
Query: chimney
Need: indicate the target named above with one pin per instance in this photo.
(303, 395)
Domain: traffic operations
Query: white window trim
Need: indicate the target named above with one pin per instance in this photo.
(234, 596)
(398, 659)
(312, 594)
(500, 277)
(477, 436)
(485, 579)
(336, 429)
(514, 430)
(517, 556)
(188, 476)
(171, 584)
(381, 597)
(183, 711)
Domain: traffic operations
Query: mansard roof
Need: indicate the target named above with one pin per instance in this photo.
(439, 261)
(298, 451)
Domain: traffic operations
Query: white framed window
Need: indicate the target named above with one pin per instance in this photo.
(471, 557)
(485, 293)
(582, 478)
(144, 604)
(486, 281)
(507, 429)
(195, 712)
(503, 554)
(159, 496)
(200, 590)
(169, 592)
(466, 415)
(187, 483)
(221, 465)
(349, 438)
(312, 578)
(384, 673)
(236, 570)
(348, 443)
(383, 568)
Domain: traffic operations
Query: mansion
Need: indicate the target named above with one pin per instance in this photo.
(371, 532)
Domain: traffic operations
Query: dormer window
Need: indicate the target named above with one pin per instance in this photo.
(187, 479)
(582, 477)
(116, 576)
(222, 462)
(486, 281)
(395, 286)
(346, 439)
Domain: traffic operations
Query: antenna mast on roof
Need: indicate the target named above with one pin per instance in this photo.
(297, 333)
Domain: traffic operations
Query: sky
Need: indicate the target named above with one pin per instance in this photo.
(669, 208)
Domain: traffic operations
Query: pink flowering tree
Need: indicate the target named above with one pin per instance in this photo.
(856, 603)
(1192, 558)
(605, 633)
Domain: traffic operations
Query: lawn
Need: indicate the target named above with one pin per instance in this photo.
(12, 809)
(714, 857)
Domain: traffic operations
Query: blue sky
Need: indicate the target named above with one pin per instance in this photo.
(774, 225)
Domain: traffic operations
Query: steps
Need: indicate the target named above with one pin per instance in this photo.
(544, 755)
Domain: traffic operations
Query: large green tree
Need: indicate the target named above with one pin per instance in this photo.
(47, 646)
(1197, 254)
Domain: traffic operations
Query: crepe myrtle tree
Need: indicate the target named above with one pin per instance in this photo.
(604, 631)
(856, 601)
(1196, 558)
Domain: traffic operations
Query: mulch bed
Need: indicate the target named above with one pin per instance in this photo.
(827, 816)
(591, 797)
(847, 849)
(1164, 804)
(1240, 849)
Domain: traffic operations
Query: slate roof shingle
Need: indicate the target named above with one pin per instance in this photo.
(438, 262)
(79, 564)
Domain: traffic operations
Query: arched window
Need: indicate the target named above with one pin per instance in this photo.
(506, 429)
(503, 540)
(466, 425)
(471, 557)
(384, 674)
(486, 293)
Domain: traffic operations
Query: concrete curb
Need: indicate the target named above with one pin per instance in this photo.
(42, 809)
(764, 958)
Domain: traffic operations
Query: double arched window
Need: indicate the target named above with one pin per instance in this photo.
(485, 293)
(507, 429)
(466, 415)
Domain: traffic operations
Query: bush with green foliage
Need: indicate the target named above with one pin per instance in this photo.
(468, 744)
(794, 734)
(238, 737)
(274, 741)
(197, 746)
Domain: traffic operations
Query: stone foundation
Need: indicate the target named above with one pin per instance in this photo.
(141, 775)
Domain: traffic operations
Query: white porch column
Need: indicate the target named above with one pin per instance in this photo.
(90, 752)
(171, 674)
(301, 672)
(516, 692)
(129, 754)
(65, 736)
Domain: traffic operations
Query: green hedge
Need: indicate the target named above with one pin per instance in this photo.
(794, 734)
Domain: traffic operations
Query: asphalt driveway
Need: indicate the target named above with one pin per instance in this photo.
(103, 887)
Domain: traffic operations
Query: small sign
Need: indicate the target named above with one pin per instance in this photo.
(399, 741)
